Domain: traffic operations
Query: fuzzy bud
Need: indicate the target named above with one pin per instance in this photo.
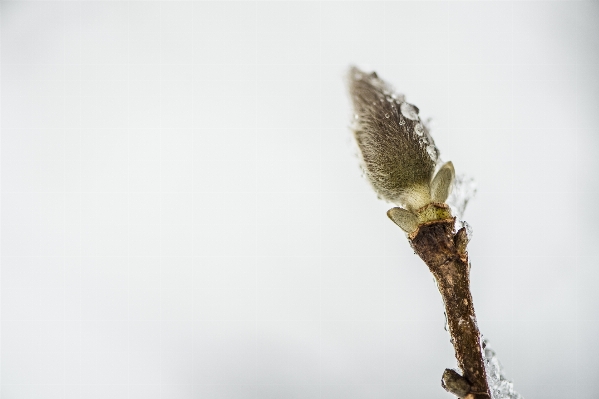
(398, 154)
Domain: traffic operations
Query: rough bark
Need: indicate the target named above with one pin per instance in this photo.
(444, 252)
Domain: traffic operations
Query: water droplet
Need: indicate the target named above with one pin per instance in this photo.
(387, 116)
(463, 189)
(432, 152)
(409, 111)
(469, 230)
(446, 326)
(500, 386)
(356, 116)
(402, 121)
(419, 129)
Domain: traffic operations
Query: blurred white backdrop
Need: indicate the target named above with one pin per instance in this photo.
(183, 214)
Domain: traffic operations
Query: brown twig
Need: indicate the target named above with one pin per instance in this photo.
(444, 252)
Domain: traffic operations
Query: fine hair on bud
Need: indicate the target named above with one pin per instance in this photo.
(397, 152)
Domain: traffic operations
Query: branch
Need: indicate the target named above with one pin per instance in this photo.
(401, 162)
(444, 252)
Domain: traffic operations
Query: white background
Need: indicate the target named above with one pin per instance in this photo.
(183, 214)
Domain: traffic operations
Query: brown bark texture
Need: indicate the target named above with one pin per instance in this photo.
(444, 252)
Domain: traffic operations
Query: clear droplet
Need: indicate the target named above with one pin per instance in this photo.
(419, 129)
(409, 111)
(499, 385)
(462, 191)
(432, 152)
(469, 230)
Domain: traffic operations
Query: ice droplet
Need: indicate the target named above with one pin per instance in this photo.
(409, 111)
(469, 230)
(419, 129)
(501, 387)
(432, 152)
(462, 191)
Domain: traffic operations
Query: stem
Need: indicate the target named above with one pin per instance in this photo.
(444, 252)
